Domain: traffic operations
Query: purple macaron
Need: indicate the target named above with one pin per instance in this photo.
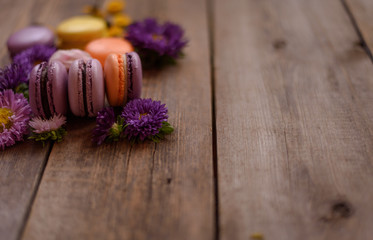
(48, 89)
(86, 88)
(29, 37)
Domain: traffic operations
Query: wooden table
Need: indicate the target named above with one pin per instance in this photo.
(273, 115)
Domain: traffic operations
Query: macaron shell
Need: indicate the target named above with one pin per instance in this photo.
(66, 57)
(135, 84)
(101, 48)
(71, 45)
(34, 91)
(113, 81)
(94, 71)
(57, 74)
(95, 90)
(81, 29)
(74, 89)
(56, 89)
(28, 37)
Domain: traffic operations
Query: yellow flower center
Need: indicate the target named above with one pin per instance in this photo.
(142, 114)
(5, 113)
(157, 37)
(121, 20)
(115, 31)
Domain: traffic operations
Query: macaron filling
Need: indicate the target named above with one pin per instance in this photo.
(50, 89)
(85, 88)
(129, 75)
(82, 88)
(44, 91)
(88, 91)
(122, 78)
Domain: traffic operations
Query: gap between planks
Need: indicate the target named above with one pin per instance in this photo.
(362, 42)
(211, 26)
(33, 196)
(40, 177)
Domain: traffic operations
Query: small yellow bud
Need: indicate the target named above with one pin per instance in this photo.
(115, 6)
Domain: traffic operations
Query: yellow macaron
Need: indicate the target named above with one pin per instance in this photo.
(78, 31)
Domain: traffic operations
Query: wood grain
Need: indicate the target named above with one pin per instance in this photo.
(21, 165)
(145, 191)
(20, 170)
(13, 13)
(293, 114)
(361, 11)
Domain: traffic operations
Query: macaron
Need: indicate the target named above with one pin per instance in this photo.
(76, 32)
(101, 48)
(48, 89)
(29, 37)
(67, 57)
(123, 78)
(86, 87)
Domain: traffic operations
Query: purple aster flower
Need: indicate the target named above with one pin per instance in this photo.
(46, 125)
(12, 76)
(107, 129)
(14, 116)
(154, 41)
(48, 129)
(145, 118)
(30, 56)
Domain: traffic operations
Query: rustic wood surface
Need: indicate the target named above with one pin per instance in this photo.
(148, 190)
(272, 109)
(294, 121)
(21, 166)
(20, 172)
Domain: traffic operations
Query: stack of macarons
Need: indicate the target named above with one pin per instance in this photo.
(52, 89)
(90, 33)
(75, 79)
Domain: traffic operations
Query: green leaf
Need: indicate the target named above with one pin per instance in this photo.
(155, 139)
(54, 135)
(116, 130)
(22, 88)
(166, 128)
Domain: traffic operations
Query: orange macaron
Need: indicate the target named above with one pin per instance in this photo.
(123, 78)
(101, 48)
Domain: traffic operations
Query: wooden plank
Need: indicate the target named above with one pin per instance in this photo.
(293, 114)
(147, 191)
(13, 13)
(21, 165)
(361, 11)
(20, 171)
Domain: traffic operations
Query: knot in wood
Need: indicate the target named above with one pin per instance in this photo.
(341, 210)
(279, 44)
